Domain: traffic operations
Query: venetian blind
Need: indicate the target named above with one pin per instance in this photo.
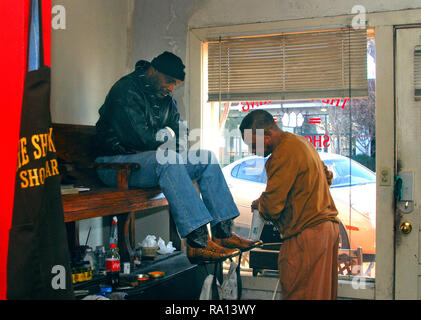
(301, 65)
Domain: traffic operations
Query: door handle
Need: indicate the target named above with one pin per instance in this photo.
(406, 227)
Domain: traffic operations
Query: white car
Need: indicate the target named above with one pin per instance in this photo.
(353, 190)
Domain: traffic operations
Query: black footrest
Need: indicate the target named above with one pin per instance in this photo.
(265, 258)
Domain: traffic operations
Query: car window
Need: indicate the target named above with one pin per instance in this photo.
(346, 173)
(252, 170)
(234, 171)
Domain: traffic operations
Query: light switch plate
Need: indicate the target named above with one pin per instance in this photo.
(385, 176)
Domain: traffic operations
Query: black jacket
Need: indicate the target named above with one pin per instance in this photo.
(132, 115)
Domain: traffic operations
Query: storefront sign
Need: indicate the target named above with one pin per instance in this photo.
(319, 140)
(247, 105)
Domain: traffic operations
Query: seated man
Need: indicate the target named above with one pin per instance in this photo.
(136, 111)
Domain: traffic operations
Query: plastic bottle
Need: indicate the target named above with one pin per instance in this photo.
(256, 227)
(114, 231)
(112, 263)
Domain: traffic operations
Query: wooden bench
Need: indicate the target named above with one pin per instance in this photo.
(74, 145)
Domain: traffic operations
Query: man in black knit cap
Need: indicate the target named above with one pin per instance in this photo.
(136, 117)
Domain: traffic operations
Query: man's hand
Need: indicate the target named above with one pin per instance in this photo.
(329, 175)
(255, 205)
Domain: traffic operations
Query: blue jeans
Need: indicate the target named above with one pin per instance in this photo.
(188, 209)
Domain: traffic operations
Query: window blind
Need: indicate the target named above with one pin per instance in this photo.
(300, 65)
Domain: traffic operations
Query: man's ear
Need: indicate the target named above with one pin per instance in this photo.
(268, 132)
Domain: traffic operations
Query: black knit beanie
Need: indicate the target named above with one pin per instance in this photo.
(169, 64)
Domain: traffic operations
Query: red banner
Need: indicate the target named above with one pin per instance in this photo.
(13, 39)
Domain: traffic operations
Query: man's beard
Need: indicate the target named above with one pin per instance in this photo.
(156, 87)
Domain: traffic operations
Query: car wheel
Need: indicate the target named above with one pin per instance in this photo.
(343, 237)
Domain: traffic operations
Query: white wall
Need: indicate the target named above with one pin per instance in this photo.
(160, 26)
(88, 57)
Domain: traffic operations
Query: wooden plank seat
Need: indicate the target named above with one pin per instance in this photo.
(75, 147)
(111, 201)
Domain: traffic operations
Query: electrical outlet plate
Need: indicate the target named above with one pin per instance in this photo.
(385, 176)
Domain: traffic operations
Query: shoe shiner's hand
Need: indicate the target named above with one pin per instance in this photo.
(255, 205)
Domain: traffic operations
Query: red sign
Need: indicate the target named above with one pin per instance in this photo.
(252, 104)
(334, 102)
(316, 140)
(314, 120)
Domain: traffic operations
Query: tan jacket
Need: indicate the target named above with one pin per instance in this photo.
(297, 194)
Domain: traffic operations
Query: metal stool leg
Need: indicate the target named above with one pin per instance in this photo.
(217, 276)
(239, 280)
